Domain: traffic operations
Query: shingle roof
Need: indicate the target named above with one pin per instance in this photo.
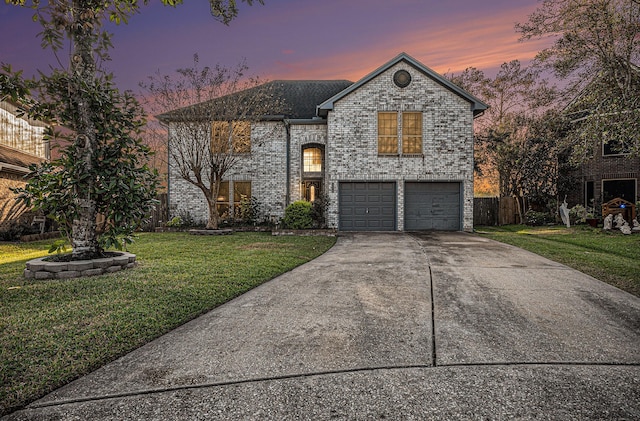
(16, 160)
(298, 99)
(303, 96)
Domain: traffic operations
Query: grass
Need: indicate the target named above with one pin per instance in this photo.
(52, 332)
(608, 256)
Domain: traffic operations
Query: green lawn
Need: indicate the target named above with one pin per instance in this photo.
(54, 331)
(608, 256)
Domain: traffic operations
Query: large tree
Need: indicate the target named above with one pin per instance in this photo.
(210, 114)
(596, 50)
(511, 138)
(81, 87)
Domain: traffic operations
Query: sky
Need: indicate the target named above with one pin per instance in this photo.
(296, 39)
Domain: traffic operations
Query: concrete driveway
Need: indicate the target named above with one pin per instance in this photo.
(387, 326)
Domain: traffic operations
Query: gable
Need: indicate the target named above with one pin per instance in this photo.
(475, 104)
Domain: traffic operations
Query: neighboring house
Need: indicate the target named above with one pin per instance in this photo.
(392, 151)
(21, 144)
(610, 173)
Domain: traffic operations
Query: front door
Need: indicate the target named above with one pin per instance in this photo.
(312, 189)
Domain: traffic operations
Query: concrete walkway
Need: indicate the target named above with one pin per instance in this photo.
(386, 326)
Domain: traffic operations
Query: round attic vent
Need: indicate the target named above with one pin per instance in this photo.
(402, 78)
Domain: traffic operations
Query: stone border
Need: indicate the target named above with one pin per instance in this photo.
(304, 233)
(41, 269)
(211, 232)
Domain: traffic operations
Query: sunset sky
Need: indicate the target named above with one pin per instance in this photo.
(296, 39)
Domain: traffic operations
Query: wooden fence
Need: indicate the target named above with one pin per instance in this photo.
(495, 211)
(160, 214)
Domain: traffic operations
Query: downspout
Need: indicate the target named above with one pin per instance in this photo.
(287, 127)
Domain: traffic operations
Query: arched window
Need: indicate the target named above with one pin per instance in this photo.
(312, 160)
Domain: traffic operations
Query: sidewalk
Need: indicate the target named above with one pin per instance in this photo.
(386, 326)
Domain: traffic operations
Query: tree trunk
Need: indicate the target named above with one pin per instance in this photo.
(212, 199)
(83, 228)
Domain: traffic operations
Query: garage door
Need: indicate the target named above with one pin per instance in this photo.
(367, 206)
(432, 206)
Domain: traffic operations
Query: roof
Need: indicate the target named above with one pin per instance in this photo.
(297, 98)
(14, 160)
(477, 106)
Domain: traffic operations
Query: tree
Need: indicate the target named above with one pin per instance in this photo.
(80, 89)
(596, 51)
(209, 113)
(514, 136)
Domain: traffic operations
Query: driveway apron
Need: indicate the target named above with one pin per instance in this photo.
(387, 326)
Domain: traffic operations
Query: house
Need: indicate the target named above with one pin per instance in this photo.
(611, 172)
(608, 175)
(390, 152)
(21, 144)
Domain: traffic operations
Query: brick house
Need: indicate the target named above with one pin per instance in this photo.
(609, 175)
(21, 144)
(391, 152)
(611, 172)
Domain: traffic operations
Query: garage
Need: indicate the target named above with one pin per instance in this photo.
(432, 206)
(367, 206)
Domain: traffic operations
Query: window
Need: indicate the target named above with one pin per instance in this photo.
(389, 135)
(241, 189)
(623, 189)
(411, 133)
(222, 203)
(312, 158)
(240, 139)
(615, 148)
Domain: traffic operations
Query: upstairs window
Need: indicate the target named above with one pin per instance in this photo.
(615, 148)
(239, 142)
(407, 138)
(312, 160)
(411, 133)
(387, 133)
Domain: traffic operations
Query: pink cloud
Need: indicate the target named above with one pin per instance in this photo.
(452, 45)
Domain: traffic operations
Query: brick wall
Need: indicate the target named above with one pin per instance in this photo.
(352, 153)
(617, 167)
(264, 167)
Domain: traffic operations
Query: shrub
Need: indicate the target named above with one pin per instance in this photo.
(578, 214)
(16, 231)
(318, 211)
(248, 210)
(298, 215)
(534, 218)
(175, 222)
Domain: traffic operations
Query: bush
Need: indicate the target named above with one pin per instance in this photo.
(298, 215)
(16, 231)
(248, 210)
(534, 218)
(175, 222)
(318, 211)
(578, 214)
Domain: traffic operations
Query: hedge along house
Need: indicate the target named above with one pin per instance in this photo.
(393, 151)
